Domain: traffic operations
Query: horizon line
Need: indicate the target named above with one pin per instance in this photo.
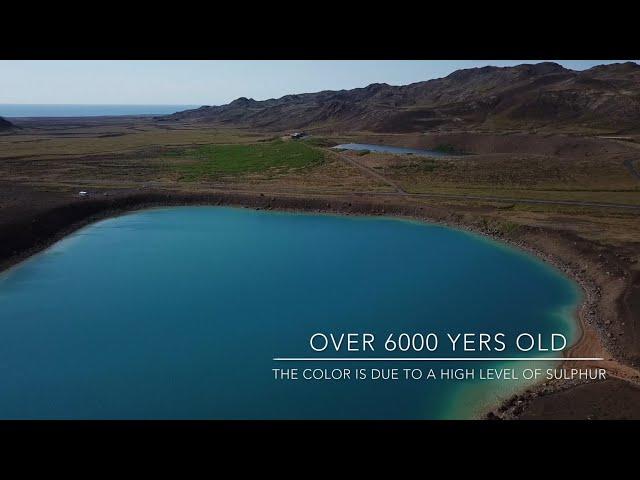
(111, 104)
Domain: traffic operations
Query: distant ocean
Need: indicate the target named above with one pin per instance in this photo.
(61, 110)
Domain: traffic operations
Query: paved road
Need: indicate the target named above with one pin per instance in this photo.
(400, 191)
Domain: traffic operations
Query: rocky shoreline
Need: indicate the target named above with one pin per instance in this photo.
(24, 237)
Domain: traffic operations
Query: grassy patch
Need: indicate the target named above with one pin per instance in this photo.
(449, 149)
(421, 166)
(219, 160)
(508, 228)
(319, 142)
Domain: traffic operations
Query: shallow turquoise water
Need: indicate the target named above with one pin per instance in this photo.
(178, 312)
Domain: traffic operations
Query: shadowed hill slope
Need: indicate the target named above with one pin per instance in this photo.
(5, 124)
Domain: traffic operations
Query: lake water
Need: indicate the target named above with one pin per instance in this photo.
(69, 110)
(177, 313)
(391, 149)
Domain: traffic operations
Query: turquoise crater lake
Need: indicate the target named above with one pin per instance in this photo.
(177, 313)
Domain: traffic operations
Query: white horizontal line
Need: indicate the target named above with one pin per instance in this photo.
(434, 359)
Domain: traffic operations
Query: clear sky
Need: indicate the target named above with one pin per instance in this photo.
(212, 82)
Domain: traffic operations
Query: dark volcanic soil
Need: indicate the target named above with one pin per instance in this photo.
(612, 399)
(5, 124)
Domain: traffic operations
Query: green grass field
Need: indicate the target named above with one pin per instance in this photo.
(274, 157)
